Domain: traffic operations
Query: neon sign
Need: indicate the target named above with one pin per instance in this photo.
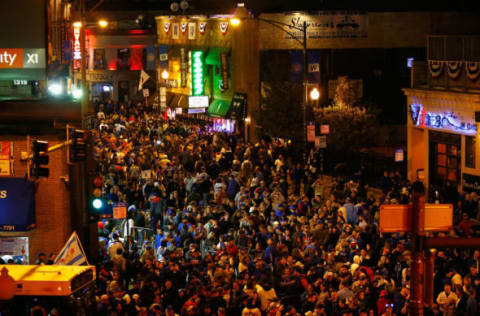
(77, 55)
(446, 120)
(198, 88)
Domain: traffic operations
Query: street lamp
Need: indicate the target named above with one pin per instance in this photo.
(314, 94)
(165, 74)
(103, 23)
(235, 21)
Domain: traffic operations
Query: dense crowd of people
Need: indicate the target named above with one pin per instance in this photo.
(218, 226)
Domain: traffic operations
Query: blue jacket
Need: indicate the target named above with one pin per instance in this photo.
(352, 213)
(232, 187)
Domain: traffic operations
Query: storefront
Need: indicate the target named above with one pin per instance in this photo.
(442, 137)
(209, 58)
(114, 63)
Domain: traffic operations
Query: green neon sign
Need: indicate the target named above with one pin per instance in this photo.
(198, 88)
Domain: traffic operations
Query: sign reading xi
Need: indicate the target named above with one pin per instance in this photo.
(17, 58)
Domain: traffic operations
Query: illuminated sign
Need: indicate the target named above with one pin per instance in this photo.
(20, 82)
(198, 86)
(77, 54)
(17, 58)
(446, 120)
(196, 111)
(200, 101)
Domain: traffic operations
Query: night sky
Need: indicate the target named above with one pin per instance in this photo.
(258, 6)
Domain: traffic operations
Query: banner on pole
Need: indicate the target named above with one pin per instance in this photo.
(320, 142)
(311, 133)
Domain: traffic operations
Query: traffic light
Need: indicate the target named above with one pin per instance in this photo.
(97, 203)
(38, 167)
(78, 148)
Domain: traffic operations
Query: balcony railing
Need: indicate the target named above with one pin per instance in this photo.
(453, 63)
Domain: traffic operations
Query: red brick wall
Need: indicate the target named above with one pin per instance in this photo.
(52, 199)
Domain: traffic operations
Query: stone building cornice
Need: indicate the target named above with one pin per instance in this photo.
(459, 100)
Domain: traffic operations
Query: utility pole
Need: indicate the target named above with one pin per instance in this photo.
(305, 92)
(83, 66)
(415, 303)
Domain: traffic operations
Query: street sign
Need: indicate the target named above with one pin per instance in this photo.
(438, 217)
(119, 211)
(315, 67)
(399, 155)
(324, 129)
(397, 218)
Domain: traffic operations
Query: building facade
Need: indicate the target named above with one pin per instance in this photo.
(372, 48)
(443, 107)
(49, 221)
(115, 58)
(212, 69)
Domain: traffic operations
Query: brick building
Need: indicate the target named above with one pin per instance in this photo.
(53, 203)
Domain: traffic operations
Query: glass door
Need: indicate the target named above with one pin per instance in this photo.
(445, 159)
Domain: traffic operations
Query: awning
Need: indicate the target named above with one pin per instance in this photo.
(171, 97)
(17, 208)
(177, 100)
(219, 108)
(182, 101)
(213, 55)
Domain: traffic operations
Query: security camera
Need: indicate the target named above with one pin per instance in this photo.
(184, 5)
(174, 6)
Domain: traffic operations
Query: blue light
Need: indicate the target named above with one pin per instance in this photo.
(410, 62)
(446, 120)
(97, 204)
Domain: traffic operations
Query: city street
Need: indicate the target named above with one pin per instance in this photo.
(254, 159)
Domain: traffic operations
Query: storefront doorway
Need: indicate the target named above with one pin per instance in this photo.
(123, 91)
(445, 158)
(102, 91)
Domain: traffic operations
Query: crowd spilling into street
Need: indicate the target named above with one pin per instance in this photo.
(218, 226)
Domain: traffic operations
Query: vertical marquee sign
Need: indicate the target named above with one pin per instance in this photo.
(224, 66)
(77, 55)
(183, 68)
(198, 87)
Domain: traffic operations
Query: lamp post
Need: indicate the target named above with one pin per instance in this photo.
(314, 95)
(162, 89)
(303, 42)
(83, 70)
(83, 60)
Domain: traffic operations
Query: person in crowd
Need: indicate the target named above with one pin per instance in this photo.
(219, 226)
(41, 259)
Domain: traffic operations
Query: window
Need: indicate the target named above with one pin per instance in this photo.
(123, 62)
(470, 144)
(99, 61)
